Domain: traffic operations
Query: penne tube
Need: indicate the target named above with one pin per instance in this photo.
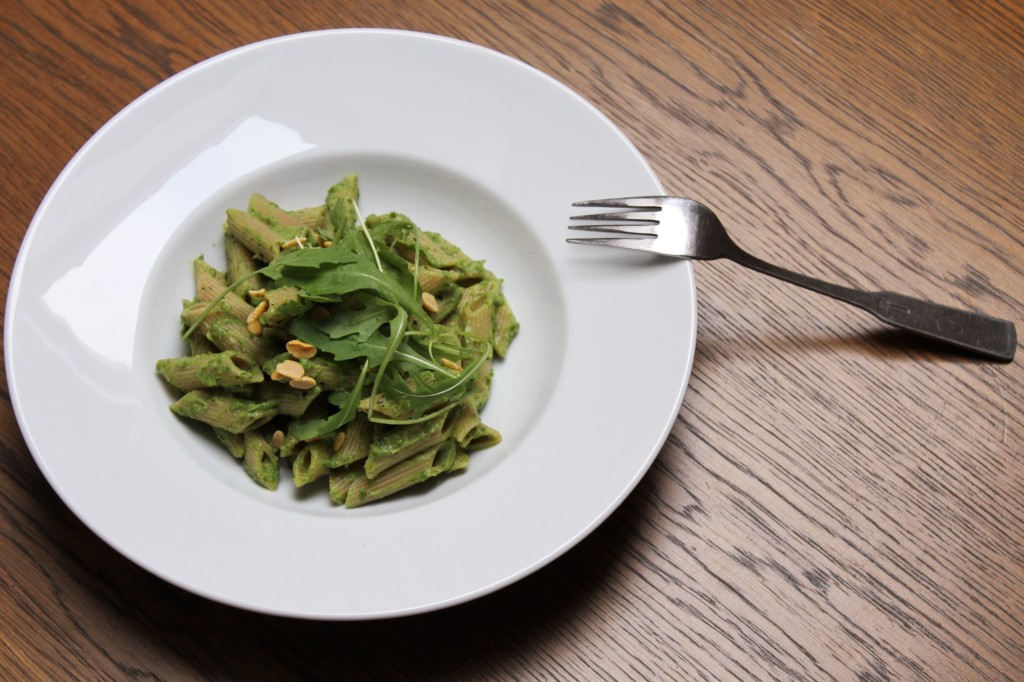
(226, 369)
(476, 311)
(199, 265)
(461, 461)
(397, 443)
(431, 279)
(199, 344)
(341, 207)
(224, 411)
(201, 314)
(291, 402)
(254, 234)
(417, 469)
(447, 303)
(356, 445)
(260, 461)
(439, 252)
(414, 470)
(480, 437)
(339, 481)
(463, 420)
(328, 374)
(310, 462)
(210, 285)
(226, 332)
(506, 326)
(230, 333)
(312, 218)
(286, 225)
(391, 409)
(241, 264)
(232, 442)
(285, 304)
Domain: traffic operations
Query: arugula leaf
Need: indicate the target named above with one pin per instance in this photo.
(432, 388)
(360, 322)
(397, 334)
(327, 274)
(373, 347)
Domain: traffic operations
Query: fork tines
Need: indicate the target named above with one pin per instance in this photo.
(639, 222)
(650, 202)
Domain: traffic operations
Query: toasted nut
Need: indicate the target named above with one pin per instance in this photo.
(258, 310)
(328, 242)
(300, 349)
(429, 302)
(339, 440)
(303, 383)
(252, 322)
(257, 293)
(289, 369)
(296, 241)
(277, 440)
(450, 364)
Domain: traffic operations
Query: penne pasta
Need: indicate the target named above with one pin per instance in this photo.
(311, 462)
(254, 234)
(241, 266)
(463, 420)
(232, 442)
(284, 304)
(223, 410)
(259, 461)
(340, 482)
(311, 218)
(230, 333)
(361, 352)
(506, 326)
(226, 369)
(291, 402)
(480, 436)
(397, 443)
(421, 467)
(286, 225)
(355, 445)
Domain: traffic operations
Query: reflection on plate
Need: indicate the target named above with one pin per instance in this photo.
(468, 142)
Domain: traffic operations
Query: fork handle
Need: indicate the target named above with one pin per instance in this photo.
(981, 334)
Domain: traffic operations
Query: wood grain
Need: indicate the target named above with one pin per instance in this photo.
(835, 500)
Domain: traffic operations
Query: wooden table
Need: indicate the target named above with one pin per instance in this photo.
(835, 500)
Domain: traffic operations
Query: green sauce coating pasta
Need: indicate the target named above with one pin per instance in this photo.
(358, 351)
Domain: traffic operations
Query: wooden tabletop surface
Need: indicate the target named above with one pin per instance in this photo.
(834, 501)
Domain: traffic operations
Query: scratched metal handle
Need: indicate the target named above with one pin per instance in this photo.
(975, 332)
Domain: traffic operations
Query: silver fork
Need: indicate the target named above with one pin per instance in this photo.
(684, 228)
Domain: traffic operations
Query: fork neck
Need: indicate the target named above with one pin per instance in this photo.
(855, 297)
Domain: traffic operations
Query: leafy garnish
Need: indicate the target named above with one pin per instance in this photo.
(431, 390)
(366, 232)
(364, 314)
(397, 334)
(327, 274)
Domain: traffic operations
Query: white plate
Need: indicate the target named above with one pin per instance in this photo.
(468, 142)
